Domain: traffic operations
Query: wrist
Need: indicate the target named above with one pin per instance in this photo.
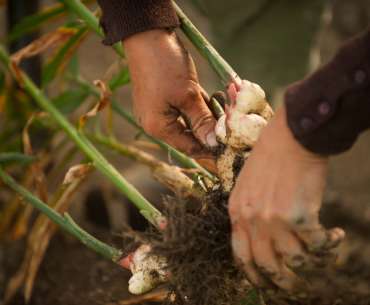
(279, 132)
(149, 43)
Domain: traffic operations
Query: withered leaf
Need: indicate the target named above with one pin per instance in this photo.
(45, 42)
(77, 172)
(104, 100)
(38, 174)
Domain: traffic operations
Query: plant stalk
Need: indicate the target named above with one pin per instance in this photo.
(218, 63)
(65, 222)
(144, 206)
(170, 176)
(77, 7)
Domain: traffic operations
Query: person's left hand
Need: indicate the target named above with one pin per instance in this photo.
(274, 210)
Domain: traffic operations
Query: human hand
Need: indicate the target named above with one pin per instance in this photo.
(274, 209)
(165, 87)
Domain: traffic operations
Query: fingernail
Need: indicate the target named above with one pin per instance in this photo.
(211, 139)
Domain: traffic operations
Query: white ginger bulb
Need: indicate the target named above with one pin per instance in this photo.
(148, 271)
(220, 129)
(267, 113)
(244, 129)
(140, 282)
(250, 98)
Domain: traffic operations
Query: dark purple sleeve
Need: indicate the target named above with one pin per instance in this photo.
(123, 18)
(328, 110)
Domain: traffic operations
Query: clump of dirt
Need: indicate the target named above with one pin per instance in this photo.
(196, 245)
(238, 165)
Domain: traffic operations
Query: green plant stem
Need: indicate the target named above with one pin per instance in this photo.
(65, 222)
(78, 8)
(216, 108)
(183, 159)
(144, 206)
(16, 157)
(218, 63)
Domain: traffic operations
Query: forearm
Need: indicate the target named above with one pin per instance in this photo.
(328, 110)
(124, 18)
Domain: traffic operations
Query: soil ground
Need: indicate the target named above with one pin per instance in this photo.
(73, 275)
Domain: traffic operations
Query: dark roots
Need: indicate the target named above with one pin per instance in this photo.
(196, 245)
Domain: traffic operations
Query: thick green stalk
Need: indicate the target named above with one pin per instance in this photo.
(65, 222)
(77, 7)
(222, 68)
(145, 207)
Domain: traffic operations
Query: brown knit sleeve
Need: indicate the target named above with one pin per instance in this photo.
(328, 110)
(123, 18)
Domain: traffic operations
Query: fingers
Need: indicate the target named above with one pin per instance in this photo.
(201, 120)
(166, 121)
(318, 239)
(267, 259)
(243, 255)
(270, 250)
(290, 248)
(172, 131)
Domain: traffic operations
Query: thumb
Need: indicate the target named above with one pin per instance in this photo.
(200, 117)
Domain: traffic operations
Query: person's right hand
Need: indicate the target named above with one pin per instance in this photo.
(165, 87)
(274, 209)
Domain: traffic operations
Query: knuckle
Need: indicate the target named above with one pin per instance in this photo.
(192, 93)
(248, 214)
(203, 121)
(284, 217)
(265, 216)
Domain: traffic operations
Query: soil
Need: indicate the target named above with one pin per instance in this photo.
(71, 274)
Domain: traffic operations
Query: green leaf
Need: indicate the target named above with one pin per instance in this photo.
(122, 78)
(70, 100)
(33, 22)
(73, 68)
(16, 157)
(50, 70)
(81, 11)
